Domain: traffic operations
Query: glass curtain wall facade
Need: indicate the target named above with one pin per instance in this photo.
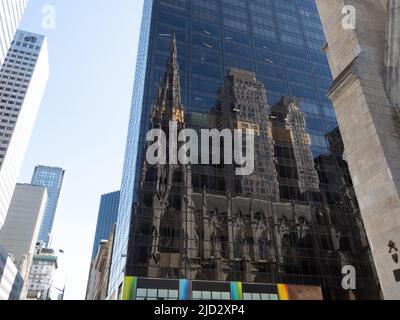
(239, 64)
(106, 219)
(52, 178)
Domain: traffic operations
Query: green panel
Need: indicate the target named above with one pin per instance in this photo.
(130, 285)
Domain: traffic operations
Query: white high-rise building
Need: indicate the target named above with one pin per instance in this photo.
(21, 228)
(11, 12)
(23, 79)
(44, 266)
(11, 281)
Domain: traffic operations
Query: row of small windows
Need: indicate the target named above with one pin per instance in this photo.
(6, 102)
(11, 102)
(158, 294)
(271, 68)
(155, 294)
(211, 295)
(287, 13)
(288, 33)
(25, 45)
(9, 115)
(5, 142)
(258, 14)
(266, 51)
(13, 84)
(26, 57)
(7, 135)
(19, 61)
(304, 9)
(8, 69)
(25, 53)
(15, 79)
(12, 96)
(12, 122)
(6, 128)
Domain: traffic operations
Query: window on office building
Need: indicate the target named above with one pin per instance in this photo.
(157, 294)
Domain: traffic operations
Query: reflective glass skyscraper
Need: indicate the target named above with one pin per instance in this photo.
(52, 178)
(107, 217)
(241, 64)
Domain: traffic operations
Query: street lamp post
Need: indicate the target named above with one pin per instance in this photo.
(60, 290)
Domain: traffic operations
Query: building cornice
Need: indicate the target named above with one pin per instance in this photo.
(343, 80)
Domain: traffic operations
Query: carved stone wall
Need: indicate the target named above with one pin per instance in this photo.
(364, 62)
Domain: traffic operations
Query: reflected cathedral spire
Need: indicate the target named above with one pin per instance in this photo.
(168, 103)
(168, 204)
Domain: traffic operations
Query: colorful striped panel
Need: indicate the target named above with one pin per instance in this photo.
(129, 292)
(283, 291)
(185, 290)
(236, 291)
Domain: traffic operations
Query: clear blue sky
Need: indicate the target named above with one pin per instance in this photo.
(83, 120)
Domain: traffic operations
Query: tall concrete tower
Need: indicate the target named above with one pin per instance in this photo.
(11, 12)
(23, 79)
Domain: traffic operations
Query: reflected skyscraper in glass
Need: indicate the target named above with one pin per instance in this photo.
(201, 231)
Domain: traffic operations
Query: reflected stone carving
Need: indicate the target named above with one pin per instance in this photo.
(262, 239)
(284, 243)
(242, 250)
(302, 228)
(197, 244)
(215, 233)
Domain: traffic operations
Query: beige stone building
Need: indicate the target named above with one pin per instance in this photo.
(21, 228)
(365, 66)
(100, 270)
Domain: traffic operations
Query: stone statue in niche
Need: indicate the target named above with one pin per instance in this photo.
(261, 238)
(215, 235)
(302, 228)
(283, 236)
(242, 250)
(350, 195)
(238, 238)
(160, 203)
(154, 248)
(197, 243)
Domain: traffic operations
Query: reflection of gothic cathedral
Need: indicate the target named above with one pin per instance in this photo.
(276, 226)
